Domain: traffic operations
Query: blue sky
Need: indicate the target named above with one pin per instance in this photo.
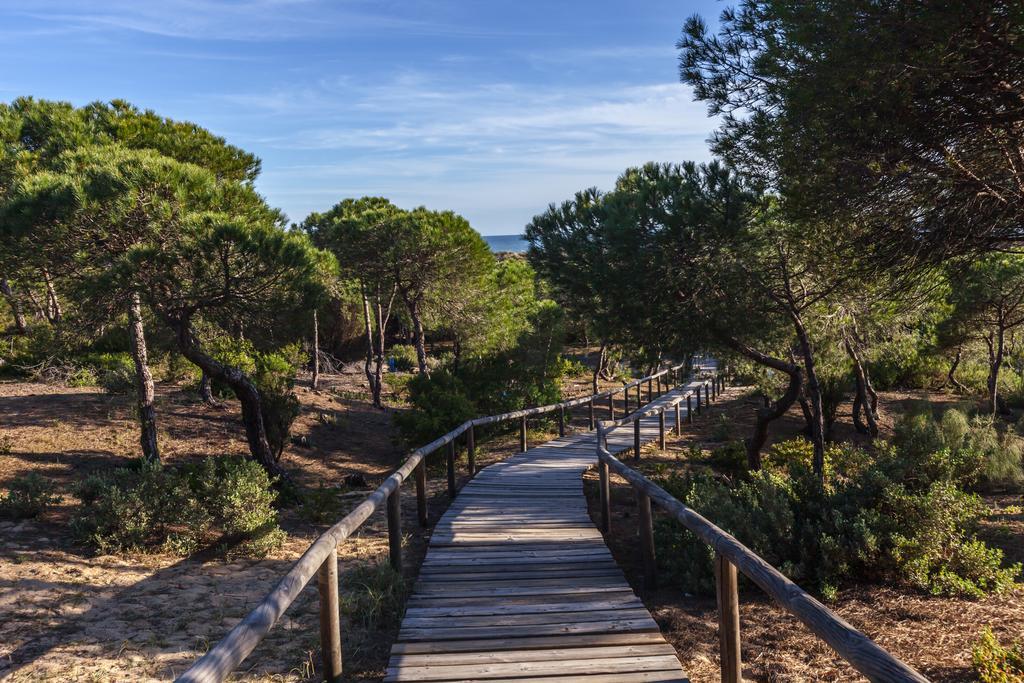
(491, 108)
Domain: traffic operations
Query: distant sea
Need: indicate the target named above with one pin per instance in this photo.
(506, 243)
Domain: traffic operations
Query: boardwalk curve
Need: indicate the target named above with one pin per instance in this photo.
(518, 584)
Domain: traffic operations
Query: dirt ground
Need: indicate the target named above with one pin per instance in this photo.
(68, 615)
(933, 634)
(71, 616)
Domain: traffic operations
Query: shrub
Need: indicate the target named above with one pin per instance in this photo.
(149, 507)
(82, 377)
(729, 459)
(723, 429)
(374, 596)
(995, 663)
(27, 496)
(405, 357)
(867, 521)
(931, 548)
(439, 402)
(960, 450)
(242, 506)
(114, 372)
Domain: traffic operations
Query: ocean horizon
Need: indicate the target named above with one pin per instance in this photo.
(514, 243)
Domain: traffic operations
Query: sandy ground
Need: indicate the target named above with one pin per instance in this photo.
(71, 616)
(932, 634)
(66, 614)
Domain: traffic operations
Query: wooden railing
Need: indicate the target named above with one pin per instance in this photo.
(730, 555)
(321, 558)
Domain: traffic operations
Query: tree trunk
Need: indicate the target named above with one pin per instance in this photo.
(769, 413)
(19, 317)
(315, 380)
(53, 309)
(814, 391)
(34, 300)
(857, 412)
(206, 391)
(602, 354)
(372, 378)
(951, 375)
(996, 350)
(418, 335)
(867, 401)
(143, 380)
(247, 393)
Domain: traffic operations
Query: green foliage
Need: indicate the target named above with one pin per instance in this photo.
(405, 357)
(729, 458)
(440, 402)
(149, 507)
(114, 372)
(996, 663)
(528, 374)
(28, 496)
(374, 596)
(723, 429)
(877, 516)
(969, 452)
(242, 505)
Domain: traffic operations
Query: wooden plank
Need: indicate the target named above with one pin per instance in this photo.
(518, 584)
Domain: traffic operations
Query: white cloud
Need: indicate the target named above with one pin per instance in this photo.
(497, 152)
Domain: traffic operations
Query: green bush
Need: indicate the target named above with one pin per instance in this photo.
(869, 520)
(274, 376)
(440, 402)
(405, 357)
(177, 368)
(723, 429)
(149, 507)
(995, 663)
(729, 458)
(82, 377)
(966, 451)
(28, 496)
(114, 372)
(242, 506)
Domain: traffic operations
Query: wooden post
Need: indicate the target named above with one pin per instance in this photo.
(330, 617)
(697, 396)
(646, 530)
(689, 409)
(661, 429)
(611, 406)
(591, 421)
(650, 389)
(471, 450)
(395, 528)
(636, 438)
(727, 591)
(679, 419)
(714, 388)
(451, 469)
(707, 395)
(606, 502)
(639, 394)
(421, 492)
(625, 401)
(522, 435)
(561, 420)
(659, 385)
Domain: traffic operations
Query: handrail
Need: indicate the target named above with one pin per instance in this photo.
(321, 556)
(856, 648)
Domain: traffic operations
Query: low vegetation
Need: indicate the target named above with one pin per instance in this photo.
(897, 514)
(150, 507)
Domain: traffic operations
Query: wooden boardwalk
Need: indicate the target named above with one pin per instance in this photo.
(518, 584)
